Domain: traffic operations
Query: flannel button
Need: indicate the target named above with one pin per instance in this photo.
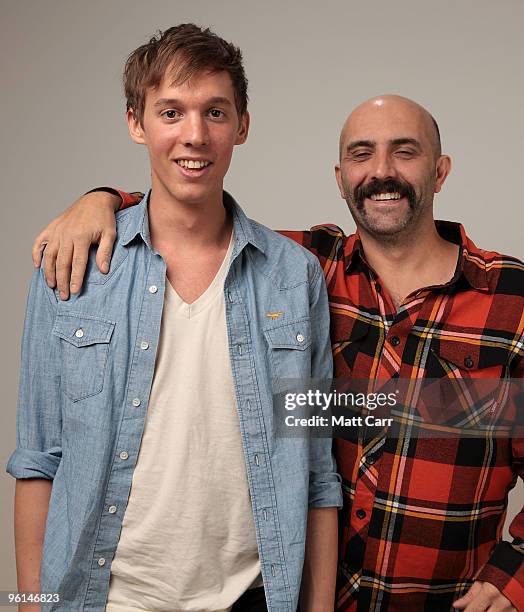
(361, 514)
(395, 341)
(468, 362)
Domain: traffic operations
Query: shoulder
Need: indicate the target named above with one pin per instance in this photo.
(285, 259)
(504, 273)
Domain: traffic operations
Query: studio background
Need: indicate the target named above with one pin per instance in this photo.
(308, 64)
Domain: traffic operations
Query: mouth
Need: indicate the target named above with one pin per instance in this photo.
(386, 197)
(193, 167)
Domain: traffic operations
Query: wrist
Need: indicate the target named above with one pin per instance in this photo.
(106, 195)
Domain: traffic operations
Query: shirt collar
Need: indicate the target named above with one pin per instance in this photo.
(244, 231)
(471, 263)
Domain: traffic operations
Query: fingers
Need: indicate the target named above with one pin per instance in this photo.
(41, 241)
(63, 268)
(37, 250)
(483, 597)
(105, 250)
(80, 258)
(50, 265)
(464, 601)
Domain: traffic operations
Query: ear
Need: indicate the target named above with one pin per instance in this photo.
(136, 131)
(443, 169)
(243, 129)
(338, 176)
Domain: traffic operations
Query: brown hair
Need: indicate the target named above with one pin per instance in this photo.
(183, 50)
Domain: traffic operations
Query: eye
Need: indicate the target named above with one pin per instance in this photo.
(170, 114)
(405, 153)
(216, 113)
(360, 155)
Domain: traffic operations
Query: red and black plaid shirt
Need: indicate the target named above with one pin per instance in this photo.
(423, 517)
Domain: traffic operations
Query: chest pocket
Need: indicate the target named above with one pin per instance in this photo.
(84, 349)
(472, 383)
(290, 350)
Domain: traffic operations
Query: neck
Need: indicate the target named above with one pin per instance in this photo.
(194, 225)
(410, 261)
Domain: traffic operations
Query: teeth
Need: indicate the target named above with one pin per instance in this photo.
(194, 164)
(378, 197)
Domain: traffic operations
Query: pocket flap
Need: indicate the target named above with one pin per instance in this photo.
(83, 330)
(295, 335)
(470, 356)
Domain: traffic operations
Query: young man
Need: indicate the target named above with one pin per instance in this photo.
(145, 424)
(411, 298)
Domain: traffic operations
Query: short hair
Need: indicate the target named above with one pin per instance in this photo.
(181, 51)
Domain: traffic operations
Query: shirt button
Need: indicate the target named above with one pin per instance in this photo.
(230, 296)
(361, 514)
(378, 287)
(124, 455)
(300, 338)
(273, 571)
(395, 341)
(370, 460)
(153, 289)
(257, 460)
(79, 333)
(136, 402)
(144, 345)
(111, 509)
(101, 561)
(468, 362)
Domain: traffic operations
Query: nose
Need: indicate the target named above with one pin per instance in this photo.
(383, 167)
(195, 131)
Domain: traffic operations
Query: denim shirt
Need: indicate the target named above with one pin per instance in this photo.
(87, 369)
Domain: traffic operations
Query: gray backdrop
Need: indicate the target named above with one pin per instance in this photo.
(308, 64)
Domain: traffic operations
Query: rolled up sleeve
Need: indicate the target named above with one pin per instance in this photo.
(325, 489)
(39, 423)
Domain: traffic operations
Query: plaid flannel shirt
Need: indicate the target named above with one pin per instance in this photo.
(423, 518)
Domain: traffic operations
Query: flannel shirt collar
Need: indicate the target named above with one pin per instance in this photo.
(471, 264)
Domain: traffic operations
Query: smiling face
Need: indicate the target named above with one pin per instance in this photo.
(190, 131)
(390, 166)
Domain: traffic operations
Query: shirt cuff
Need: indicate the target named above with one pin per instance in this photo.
(26, 463)
(505, 570)
(325, 491)
(126, 199)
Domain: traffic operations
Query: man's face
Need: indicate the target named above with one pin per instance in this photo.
(389, 166)
(190, 131)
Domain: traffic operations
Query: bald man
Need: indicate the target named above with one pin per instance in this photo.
(411, 298)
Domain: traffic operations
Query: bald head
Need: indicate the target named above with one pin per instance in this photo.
(368, 117)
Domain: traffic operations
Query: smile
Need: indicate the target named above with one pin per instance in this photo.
(193, 164)
(380, 197)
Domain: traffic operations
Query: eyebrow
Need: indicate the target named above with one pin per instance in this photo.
(370, 143)
(216, 100)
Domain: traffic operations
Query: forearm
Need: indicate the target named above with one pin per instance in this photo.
(31, 506)
(317, 593)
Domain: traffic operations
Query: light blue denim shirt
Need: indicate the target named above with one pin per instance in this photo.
(87, 368)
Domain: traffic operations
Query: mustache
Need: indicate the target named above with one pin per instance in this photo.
(376, 186)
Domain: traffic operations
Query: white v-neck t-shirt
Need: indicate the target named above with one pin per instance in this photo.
(188, 537)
